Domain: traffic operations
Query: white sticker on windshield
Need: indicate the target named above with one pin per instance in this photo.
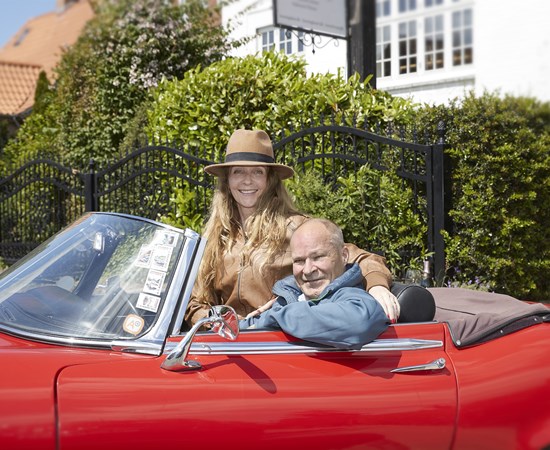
(144, 256)
(153, 284)
(161, 257)
(164, 237)
(133, 324)
(148, 302)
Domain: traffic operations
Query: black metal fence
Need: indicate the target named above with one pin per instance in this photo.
(43, 196)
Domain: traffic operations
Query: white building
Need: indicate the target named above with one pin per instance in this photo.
(427, 50)
(255, 19)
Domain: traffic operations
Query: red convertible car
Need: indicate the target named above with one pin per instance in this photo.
(92, 356)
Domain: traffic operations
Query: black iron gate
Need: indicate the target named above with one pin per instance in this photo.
(43, 196)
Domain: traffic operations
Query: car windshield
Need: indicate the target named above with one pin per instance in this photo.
(103, 277)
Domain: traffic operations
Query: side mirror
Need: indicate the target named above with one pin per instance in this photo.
(227, 322)
(223, 320)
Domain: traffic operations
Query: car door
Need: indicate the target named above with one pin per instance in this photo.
(266, 390)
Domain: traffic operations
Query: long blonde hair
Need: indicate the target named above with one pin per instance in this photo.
(266, 229)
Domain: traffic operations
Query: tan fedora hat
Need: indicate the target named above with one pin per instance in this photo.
(249, 148)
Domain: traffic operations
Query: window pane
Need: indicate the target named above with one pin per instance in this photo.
(457, 59)
(413, 64)
(457, 22)
(429, 62)
(468, 18)
(468, 56)
(468, 38)
(439, 61)
(428, 24)
(429, 44)
(456, 38)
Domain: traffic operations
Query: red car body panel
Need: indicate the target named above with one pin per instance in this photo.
(504, 391)
(338, 400)
(324, 400)
(27, 388)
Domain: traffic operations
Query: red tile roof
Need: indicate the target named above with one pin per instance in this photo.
(37, 45)
(17, 86)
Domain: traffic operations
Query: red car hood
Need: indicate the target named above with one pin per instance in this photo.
(28, 376)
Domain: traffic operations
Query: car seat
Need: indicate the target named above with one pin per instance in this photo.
(417, 303)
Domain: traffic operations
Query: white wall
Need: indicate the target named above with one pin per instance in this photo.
(512, 47)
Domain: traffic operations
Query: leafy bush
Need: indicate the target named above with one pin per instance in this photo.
(187, 213)
(500, 151)
(102, 80)
(271, 92)
(374, 210)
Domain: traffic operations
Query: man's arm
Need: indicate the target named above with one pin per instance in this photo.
(350, 319)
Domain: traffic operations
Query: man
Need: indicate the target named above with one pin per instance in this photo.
(324, 300)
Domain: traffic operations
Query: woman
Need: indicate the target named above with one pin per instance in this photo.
(251, 220)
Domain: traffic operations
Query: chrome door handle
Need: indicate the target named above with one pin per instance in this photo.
(438, 364)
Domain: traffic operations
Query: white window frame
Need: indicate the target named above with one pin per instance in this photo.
(285, 41)
(435, 34)
(462, 43)
(410, 41)
(383, 8)
(383, 62)
(442, 58)
(267, 40)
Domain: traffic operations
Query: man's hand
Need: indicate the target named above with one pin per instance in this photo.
(262, 308)
(387, 300)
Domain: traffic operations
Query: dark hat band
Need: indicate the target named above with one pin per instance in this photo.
(248, 156)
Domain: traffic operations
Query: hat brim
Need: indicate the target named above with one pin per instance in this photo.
(218, 169)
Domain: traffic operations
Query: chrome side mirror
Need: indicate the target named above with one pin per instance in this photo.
(227, 323)
(223, 320)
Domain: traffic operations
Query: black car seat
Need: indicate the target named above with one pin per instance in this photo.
(417, 303)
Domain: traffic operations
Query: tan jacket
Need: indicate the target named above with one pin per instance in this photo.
(245, 289)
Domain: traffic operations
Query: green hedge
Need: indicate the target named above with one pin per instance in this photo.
(500, 152)
(374, 210)
(271, 92)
